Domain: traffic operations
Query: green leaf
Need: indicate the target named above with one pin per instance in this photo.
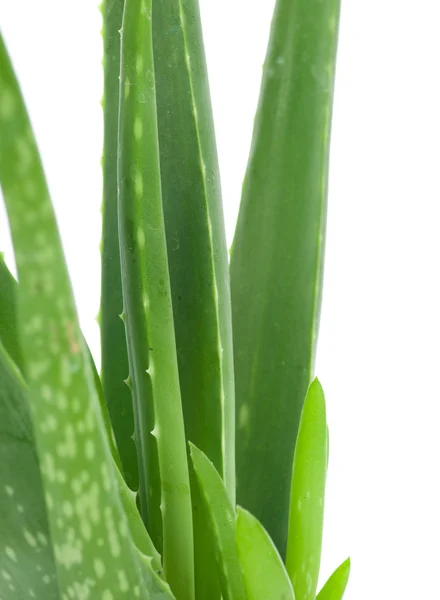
(335, 587)
(220, 515)
(26, 559)
(93, 549)
(8, 314)
(197, 253)
(264, 573)
(277, 255)
(307, 496)
(114, 358)
(160, 435)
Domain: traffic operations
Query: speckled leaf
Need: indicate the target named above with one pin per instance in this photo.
(160, 436)
(197, 253)
(264, 573)
(114, 358)
(220, 517)
(307, 496)
(278, 251)
(27, 568)
(8, 314)
(334, 588)
(94, 551)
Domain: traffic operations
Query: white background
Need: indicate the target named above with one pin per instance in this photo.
(379, 347)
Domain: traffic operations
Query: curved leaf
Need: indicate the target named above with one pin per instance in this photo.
(335, 587)
(220, 515)
(307, 496)
(264, 573)
(93, 548)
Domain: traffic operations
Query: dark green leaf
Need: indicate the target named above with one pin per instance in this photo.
(8, 314)
(277, 255)
(197, 253)
(114, 358)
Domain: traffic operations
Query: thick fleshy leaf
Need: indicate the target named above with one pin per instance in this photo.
(26, 559)
(307, 496)
(264, 573)
(160, 436)
(197, 254)
(334, 588)
(277, 254)
(220, 517)
(8, 314)
(93, 549)
(114, 357)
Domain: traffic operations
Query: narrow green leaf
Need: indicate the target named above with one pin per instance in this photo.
(8, 314)
(277, 255)
(220, 515)
(335, 586)
(93, 549)
(26, 559)
(307, 496)
(160, 434)
(264, 573)
(114, 358)
(197, 253)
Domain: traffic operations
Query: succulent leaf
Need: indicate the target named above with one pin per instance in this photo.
(264, 573)
(114, 357)
(307, 496)
(160, 436)
(334, 588)
(220, 517)
(277, 254)
(8, 314)
(197, 253)
(93, 548)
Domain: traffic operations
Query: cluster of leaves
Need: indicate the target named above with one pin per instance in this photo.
(87, 509)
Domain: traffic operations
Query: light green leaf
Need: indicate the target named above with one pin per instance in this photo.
(277, 255)
(335, 586)
(93, 549)
(114, 358)
(27, 567)
(8, 314)
(307, 496)
(197, 253)
(160, 435)
(220, 515)
(264, 573)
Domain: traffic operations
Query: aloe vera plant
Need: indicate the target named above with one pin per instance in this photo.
(123, 484)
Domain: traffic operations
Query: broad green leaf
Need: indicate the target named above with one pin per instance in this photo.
(160, 435)
(277, 254)
(197, 253)
(335, 586)
(8, 314)
(220, 515)
(27, 568)
(264, 573)
(114, 358)
(93, 549)
(307, 496)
